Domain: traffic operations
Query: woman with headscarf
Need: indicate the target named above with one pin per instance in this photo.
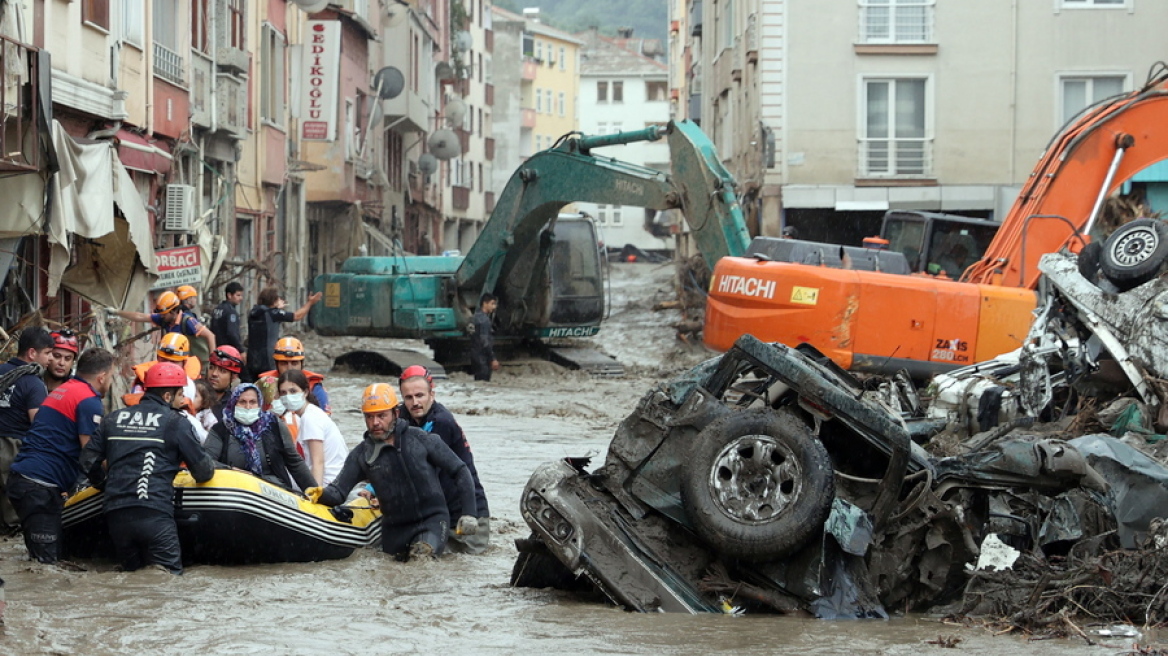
(256, 441)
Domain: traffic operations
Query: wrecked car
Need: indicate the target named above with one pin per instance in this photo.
(771, 479)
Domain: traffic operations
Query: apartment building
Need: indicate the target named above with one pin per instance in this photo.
(830, 111)
(536, 88)
(623, 90)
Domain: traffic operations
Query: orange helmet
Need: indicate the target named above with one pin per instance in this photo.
(167, 302)
(165, 374)
(174, 347)
(185, 292)
(288, 349)
(378, 397)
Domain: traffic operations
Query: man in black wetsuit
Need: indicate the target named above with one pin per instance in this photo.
(402, 463)
(417, 393)
(143, 446)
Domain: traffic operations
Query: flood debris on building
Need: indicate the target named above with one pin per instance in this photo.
(1028, 490)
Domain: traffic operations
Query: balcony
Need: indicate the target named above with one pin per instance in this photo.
(489, 146)
(528, 118)
(168, 65)
(202, 77)
(233, 60)
(231, 99)
(411, 106)
(752, 39)
(460, 197)
(530, 68)
(20, 98)
(463, 140)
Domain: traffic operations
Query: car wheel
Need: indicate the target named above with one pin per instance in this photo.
(536, 567)
(758, 485)
(1135, 252)
(1089, 261)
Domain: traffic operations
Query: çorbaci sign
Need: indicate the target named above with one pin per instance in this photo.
(178, 266)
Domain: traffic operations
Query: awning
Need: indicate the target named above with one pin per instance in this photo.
(140, 154)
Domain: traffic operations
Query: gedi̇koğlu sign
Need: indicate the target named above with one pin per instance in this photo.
(320, 70)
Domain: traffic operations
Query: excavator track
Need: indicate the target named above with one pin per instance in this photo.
(585, 359)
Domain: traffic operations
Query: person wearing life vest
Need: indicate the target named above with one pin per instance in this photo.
(169, 315)
(60, 367)
(422, 410)
(174, 348)
(403, 462)
(289, 354)
(143, 448)
(223, 371)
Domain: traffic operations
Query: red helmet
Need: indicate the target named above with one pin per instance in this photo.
(165, 374)
(227, 357)
(66, 340)
(414, 371)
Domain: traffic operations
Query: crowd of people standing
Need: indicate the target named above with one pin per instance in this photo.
(206, 402)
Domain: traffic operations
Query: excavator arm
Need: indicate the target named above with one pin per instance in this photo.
(509, 254)
(1108, 144)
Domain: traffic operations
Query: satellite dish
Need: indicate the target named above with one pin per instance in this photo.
(396, 13)
(311, 6)
(455, 111)
(444, 144)
(427, 164)
(463, 41)
(444, 72)
(389, 82)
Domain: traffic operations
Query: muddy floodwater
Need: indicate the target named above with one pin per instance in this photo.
(370, 604)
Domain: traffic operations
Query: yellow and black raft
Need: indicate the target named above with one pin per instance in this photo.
(236, 518)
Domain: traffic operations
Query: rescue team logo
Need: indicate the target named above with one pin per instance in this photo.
(128, 419)
(744, 286)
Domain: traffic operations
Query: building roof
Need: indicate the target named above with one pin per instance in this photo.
(534, 26)
(604, 55)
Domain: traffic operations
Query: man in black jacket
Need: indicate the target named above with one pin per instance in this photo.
(482, 339)
(402, 462)
(225, 318)
(143, 446)
(417, 393)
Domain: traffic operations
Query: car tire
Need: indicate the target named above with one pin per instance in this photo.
(1089, 261)
(1135, 253)
(536, 567)
(758, 485)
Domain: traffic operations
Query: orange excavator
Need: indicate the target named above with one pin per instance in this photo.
(881, 321)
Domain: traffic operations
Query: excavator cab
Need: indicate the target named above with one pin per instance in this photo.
(577, 273)
(937, 244)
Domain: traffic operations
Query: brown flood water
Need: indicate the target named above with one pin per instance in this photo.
(369, 604)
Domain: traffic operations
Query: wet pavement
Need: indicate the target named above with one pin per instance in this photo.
(370, 604)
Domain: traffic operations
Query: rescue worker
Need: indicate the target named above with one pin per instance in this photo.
(200, 348)
(189, 298)
(143, 448)
(417, 393)
(173, 348)
(289, 354)
(402, 463)
(22, 390)
(47, 466)
(169, 315)
(225, 318)
(482, 340)
(223, 371)
(64, 354)
(263, 327)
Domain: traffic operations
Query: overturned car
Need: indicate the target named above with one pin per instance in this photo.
(770, 479)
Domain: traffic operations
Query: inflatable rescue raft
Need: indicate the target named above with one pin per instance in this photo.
(236, 518)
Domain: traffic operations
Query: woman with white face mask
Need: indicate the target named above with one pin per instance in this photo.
(256, 441)
(323, 446)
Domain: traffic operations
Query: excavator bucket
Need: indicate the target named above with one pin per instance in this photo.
(707, 194)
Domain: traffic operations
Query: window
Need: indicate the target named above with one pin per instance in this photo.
(602, 91)
(896, 21)
(539, 101)
(617, 127)
(350, 129)
(563, 60)
(726, 33)
(538, 143)
(539, 50)
(528, 45)
(272, 75)
(562, 104)
(480, 121)
(1080, 92)
(235, 21)
(618, 91)
(133, 22)
(616, 215)
(895, 139)
(602, 128)
(168, 63)
(602, 214)
(96, 12)
(656, 90)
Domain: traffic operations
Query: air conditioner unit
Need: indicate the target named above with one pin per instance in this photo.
(180, 200)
